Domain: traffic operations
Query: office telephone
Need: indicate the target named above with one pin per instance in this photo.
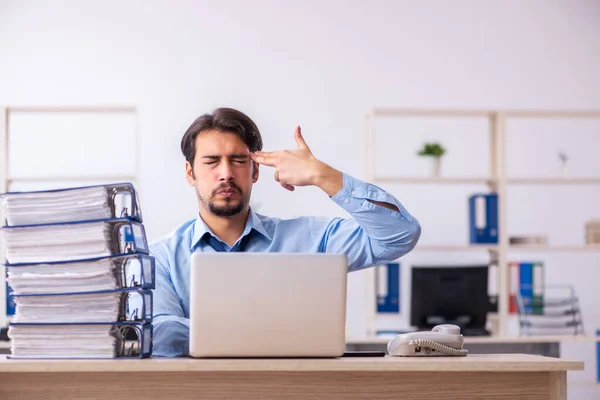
(442, 340)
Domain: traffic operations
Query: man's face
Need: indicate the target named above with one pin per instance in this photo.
(222, 173)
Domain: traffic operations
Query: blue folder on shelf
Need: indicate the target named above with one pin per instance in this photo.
(483, 218)
(526, 283)
(140, 347)
(388, 288)
(107, 201)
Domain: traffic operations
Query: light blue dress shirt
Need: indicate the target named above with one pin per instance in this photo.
(374, 235)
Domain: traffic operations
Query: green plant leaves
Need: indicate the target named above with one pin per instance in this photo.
(432, 150)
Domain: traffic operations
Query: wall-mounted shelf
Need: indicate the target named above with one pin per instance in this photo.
(555, 249)
(448, 180)
(524, 248)
(422, 112)
(555, 181)
(474, 247)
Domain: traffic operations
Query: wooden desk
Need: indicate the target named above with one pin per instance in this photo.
(505, 376)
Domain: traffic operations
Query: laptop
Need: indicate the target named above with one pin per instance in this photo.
(267, 304)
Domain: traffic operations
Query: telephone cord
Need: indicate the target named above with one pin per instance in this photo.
(440, 347)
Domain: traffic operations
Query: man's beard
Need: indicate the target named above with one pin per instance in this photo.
(231, 206)
(226, 210)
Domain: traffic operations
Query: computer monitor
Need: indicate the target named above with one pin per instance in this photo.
(450, 294)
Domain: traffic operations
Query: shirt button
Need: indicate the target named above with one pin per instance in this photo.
(346, 201)
(354, 193)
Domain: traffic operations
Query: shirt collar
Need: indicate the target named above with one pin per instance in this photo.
(253, 222)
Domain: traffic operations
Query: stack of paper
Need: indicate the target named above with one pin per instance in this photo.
(56, 206)
(58, 242)
(64, 277)
(65, 341)
(78, 266)
(93, 307)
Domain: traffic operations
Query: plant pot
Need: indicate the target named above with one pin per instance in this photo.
(436, 166)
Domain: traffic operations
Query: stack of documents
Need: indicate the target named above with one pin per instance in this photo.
(108, 273)
(81, 277)
(57, 206)
(69, 241)
(57, 341)
(106, 306)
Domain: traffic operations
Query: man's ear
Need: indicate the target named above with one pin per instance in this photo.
(189, 173)
(255, 172)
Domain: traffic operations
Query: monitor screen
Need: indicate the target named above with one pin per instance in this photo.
(449, 295)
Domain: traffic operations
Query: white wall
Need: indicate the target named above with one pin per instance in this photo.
(320, 64)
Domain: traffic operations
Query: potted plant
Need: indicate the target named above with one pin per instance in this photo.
(435, 151)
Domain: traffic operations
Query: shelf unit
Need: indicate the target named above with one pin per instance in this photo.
(6, 177)
(498, 182)
(511, 248)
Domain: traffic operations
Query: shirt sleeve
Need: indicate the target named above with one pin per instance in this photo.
(171, 328)
(374, 234)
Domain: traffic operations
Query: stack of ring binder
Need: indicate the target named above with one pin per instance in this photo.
(80, 273)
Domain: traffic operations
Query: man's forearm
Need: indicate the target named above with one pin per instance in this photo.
(171, 336)
(329, 179)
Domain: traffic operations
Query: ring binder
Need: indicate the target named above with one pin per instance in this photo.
(108, 236)
(139, 347)
(107, 201)
(142, 347)
(131, 304)
(134, 270)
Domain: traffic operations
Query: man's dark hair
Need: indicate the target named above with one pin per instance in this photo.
(224, 120)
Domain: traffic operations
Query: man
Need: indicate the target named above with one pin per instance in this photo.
(223, 154)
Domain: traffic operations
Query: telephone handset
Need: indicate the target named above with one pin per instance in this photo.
(442, 340)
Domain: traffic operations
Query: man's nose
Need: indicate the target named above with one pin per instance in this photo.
(225, 171)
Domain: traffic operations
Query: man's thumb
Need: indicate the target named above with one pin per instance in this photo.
(299, 139)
